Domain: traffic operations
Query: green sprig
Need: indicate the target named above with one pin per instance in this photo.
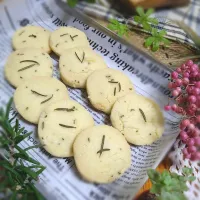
(170, 186)
(119, 28)
(72, 3)
(19, 170)
(156, 39)
(144, 19)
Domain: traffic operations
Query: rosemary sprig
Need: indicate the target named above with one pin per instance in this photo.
(18, 170)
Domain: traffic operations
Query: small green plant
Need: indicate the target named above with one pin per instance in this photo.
(156, 39)
(144, 19)
(170, 186)
(18, 170)
(119, 28)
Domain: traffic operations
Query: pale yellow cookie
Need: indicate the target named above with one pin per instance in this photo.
(105, 86)
(31, 37)
(101, 154)
(24, 64)
(66, 38)
(60, 123)
(138, 118)
(34, 95)
(77, 64)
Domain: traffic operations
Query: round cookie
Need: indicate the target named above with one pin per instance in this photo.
(34, 95)
(138, 118)
(105, 86)
(24, 64)
(31, 37)
(60, 123)
(101, 154)
(66, 38)
(77, 64)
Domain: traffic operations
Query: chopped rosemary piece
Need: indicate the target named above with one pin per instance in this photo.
(21, 33)
(66, 109)
(34, 92)
(119, 86)
(82, 57)
(113, 82)
(24, 68)
(143, 115)
(64, 34)
(66, 126)
(102, 149)
(42, 125)
(47, 99)
(33, 61)
(72, 37)
(34, 36)
(115, 91)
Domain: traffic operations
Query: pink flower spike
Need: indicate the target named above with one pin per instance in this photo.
(167, 108)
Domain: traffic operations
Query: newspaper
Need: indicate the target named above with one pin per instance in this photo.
(61, 179)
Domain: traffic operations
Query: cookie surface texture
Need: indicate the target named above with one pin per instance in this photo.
(34, 95)
(77, 64)
(32, 37)
(138, 118)
(66, 38)
(101, 154)
(24, 64)
(105, 86)
(60, 123)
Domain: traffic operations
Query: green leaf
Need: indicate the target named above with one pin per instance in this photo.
(137, 19)
(30, 172)
(149, 41)
(19, 138)
(153, 175)
(8, 108)
(149, 12)
(191, 178)
(33, 147)
(146, 26)
(155, 46)
(16, 125)
(162, 33)
(166, 41)
(72, 3)
(119, 28)
(187, 171)
(153, 21)
(140, 11)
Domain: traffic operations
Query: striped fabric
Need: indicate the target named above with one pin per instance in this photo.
(102, 9)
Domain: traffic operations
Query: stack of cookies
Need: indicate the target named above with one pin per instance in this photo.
(65, 128)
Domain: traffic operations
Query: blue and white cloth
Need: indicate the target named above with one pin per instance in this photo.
(190, 15)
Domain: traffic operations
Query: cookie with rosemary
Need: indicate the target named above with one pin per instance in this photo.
(101, 154)
(31, 37)
(66, 38)
(138, 118)
(105, 86)
(60, 123)
(34, 95)
(24, 64)
(77, 64)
